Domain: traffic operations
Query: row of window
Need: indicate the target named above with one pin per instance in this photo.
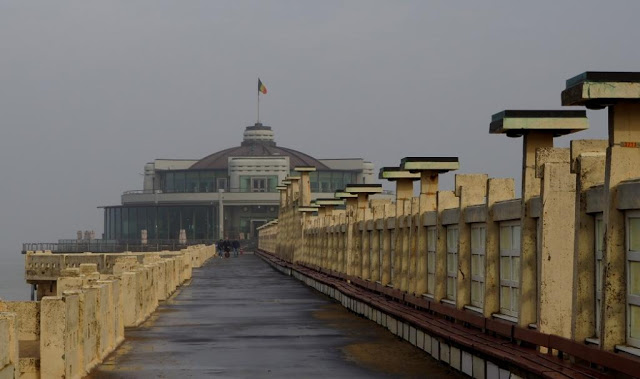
(213, 180)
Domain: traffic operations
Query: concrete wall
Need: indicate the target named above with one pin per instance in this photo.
(84, 303)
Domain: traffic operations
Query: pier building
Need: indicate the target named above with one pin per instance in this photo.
(236, 185)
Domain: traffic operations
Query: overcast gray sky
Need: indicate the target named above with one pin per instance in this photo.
(91, 90)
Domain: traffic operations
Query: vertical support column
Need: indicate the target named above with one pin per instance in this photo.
(413, 245)
(588, 162)
(621, 164)
(404, 192)
(428, 201)
(556, 250)
(528, 308)
(376, 246)
(388, 225)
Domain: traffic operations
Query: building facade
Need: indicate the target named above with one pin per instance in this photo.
(236, 185)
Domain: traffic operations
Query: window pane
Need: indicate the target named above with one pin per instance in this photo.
(515, 244)
(505, 298)
(431, 262)
(505, 238)
(505, 268)
(634, 234)
(431, 239)
(179, 182)
(515, 274)
(634, 278)
(475, 288)
(634, 321)
(515, 299)
(474, 265)
(430, 283)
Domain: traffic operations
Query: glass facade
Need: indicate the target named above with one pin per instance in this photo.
(331, 181)
(190, 181)
(180, 181)
(161, 222)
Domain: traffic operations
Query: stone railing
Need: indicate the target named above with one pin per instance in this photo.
(84, 302)
(561, 260)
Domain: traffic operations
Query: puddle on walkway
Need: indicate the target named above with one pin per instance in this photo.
(379, 350)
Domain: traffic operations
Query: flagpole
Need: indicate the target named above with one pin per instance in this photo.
(258, 121)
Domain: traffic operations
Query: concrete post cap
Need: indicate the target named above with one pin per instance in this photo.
(329, 202)
(438, 164)
(292, 178)
(286, 182)
(341, 194)
(281, 188)
(307, 209)
(304, 168)
(598, 89)
(397, 173)
(515, 123)
(363, 188)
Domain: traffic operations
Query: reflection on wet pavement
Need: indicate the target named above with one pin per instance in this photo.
(239, 318)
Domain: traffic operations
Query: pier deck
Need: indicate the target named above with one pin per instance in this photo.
(239, 318)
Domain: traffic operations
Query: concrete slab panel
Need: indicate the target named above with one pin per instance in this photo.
(493, 371)
(445, 352)
(455, 358)
(420, 339)
(427, 343)
(478, 368)
(435, 348)
(467, 363)
(412, 335)
(504, 374)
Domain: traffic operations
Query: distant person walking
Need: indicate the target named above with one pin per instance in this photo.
(235, 244)
(227, 248)
(220, 247)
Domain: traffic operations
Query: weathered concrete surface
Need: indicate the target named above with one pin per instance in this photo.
(239, 318)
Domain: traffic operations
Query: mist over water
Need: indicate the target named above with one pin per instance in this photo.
(12, 283)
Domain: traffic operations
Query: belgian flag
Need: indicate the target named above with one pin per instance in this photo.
(261, 87)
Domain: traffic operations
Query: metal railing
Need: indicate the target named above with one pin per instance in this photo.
(110, 246)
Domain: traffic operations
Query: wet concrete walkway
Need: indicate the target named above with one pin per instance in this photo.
(240, 318)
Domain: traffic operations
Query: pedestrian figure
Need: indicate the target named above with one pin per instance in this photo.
(219, 247)
(236, 245)
(227, 248)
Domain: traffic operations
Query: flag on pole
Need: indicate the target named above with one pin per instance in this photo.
(261, 87)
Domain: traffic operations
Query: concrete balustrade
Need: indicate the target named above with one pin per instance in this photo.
(84, 302)
(563, 260)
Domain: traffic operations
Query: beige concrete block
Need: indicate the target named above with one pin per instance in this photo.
(412, 335)
(455, 358)
(8, 372)
(435, 348)
(428, 341)
(466, 363)
(420, 339)
(5, 337)
(445, 352)
(28, 316)
(493, 372)
(478, 368)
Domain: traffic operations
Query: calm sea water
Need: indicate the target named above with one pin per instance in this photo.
(12, 283)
